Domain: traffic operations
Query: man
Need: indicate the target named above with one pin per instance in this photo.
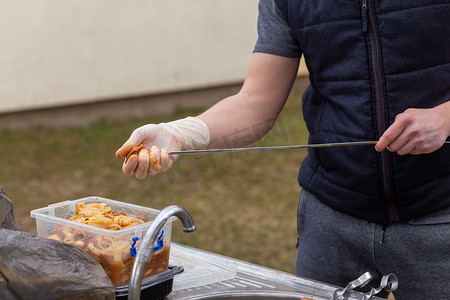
(379, 70)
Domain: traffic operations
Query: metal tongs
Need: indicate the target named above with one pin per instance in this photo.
(388, 283)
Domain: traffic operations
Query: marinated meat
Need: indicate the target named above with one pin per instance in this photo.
(113, 253)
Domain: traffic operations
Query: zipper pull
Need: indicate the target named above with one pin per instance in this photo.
(364, 15)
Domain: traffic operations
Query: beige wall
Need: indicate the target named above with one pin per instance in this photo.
(73, 51)
(56, 53)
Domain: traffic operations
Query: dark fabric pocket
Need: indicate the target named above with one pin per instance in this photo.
(439, 217)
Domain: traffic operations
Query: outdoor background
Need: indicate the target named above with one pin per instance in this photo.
(244, 204)
(77, 78)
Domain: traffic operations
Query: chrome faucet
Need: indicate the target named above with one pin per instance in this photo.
(144, 254)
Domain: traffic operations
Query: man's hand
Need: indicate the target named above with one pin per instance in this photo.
(417, 131)
(152, 157)
(147, 150)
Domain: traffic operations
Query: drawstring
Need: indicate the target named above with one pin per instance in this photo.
(382, 234)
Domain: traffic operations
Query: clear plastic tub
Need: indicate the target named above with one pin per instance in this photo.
(113, 249)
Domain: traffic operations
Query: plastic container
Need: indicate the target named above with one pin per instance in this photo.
(113, 249)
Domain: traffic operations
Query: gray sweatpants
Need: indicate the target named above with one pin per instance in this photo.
(336, 248)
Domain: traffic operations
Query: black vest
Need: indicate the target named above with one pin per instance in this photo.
(368, 61)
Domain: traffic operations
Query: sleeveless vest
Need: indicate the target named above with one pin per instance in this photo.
(368, 61)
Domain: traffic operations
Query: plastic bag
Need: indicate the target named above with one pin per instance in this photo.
(7, 220)
(33, 267)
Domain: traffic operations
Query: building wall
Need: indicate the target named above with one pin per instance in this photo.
(74, 52)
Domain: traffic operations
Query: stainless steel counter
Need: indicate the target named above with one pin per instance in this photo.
(211, 276)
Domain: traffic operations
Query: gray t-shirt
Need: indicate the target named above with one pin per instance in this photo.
(274, 34)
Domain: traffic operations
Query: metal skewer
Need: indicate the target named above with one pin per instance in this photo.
(272, 148)
(205, 151)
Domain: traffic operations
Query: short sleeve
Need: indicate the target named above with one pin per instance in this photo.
(275, 36)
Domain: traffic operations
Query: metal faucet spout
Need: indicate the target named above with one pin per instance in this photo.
(144, 254)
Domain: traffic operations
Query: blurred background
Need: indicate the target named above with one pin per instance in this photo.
(78, 76)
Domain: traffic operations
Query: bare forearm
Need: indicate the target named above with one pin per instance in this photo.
(244, 118)
(237, 121)
(445, 113)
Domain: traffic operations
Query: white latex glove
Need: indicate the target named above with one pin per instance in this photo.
(146, 151)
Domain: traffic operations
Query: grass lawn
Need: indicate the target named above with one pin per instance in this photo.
(244, 204)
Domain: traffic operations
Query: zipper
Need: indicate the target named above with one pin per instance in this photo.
(364, 15)
(368, 26)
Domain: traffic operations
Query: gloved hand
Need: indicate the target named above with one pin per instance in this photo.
(146, 151)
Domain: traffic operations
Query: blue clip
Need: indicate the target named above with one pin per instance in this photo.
(133, 251)
(159, 245)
